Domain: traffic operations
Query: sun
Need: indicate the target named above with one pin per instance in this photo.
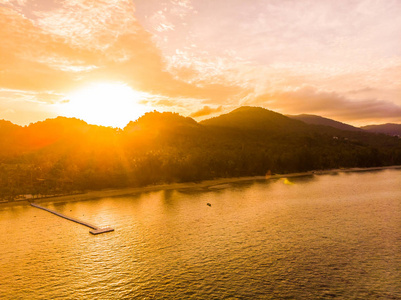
(106, 104)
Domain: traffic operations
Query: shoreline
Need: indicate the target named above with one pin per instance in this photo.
(211, 184)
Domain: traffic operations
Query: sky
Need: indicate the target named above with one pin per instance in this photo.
(110, 61)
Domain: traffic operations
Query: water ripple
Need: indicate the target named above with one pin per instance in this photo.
(318, 239)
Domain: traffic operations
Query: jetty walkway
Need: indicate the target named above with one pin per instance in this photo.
(96, 229)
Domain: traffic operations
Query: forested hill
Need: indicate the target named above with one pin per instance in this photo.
(63, 155)
(256, 118)
(318, 120)
(389, 128)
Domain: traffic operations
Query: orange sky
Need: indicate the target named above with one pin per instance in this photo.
(200, 58)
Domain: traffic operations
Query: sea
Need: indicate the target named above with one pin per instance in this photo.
(332, 236)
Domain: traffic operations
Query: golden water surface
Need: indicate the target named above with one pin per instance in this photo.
(317, 237)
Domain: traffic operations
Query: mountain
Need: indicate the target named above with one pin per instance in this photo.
(162, 127)
(60, 132)
(6, 126)
(64, 154)
(389, 129)
(9, 133)
(159, 121)
(256, 118)
(318, 120)
(49, 131)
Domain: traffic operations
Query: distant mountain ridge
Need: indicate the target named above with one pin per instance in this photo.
(389, 129)
(318, 120)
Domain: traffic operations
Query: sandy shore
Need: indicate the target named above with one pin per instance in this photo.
(209, 184)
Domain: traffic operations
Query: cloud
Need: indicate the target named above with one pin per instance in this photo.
(13, 2)
(206, 111)
(285, 42)
(83, 41)
(24, 97)
(287, 55)
(50, 98)
(89, 24)
(7, 111)
(26, 53)
(160, 22)
(171, 104)
(165, 102)
(24, 107)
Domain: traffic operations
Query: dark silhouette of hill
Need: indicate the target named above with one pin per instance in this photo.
(44, 133)
(9, 133)
(157, 120)
(154, 124)
(278, 126)
(318, 120)
(389, 129)
(256, 118)
(157, 128)
(6, 126)
(62, 155)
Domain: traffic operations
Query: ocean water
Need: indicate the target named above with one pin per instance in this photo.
(316, 237)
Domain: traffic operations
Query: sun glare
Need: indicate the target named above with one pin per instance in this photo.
(107, 104)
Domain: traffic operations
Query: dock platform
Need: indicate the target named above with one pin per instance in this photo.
(95, 229)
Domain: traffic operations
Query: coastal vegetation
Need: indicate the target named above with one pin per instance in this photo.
(67, 155)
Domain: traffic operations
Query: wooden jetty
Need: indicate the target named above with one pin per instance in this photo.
(95, 229)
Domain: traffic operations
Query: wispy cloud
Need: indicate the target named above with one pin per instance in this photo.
(206, 111)
(24, 107)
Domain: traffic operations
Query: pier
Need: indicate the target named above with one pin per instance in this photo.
(95, 229)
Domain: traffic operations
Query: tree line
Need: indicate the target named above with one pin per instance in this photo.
(64, 155)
